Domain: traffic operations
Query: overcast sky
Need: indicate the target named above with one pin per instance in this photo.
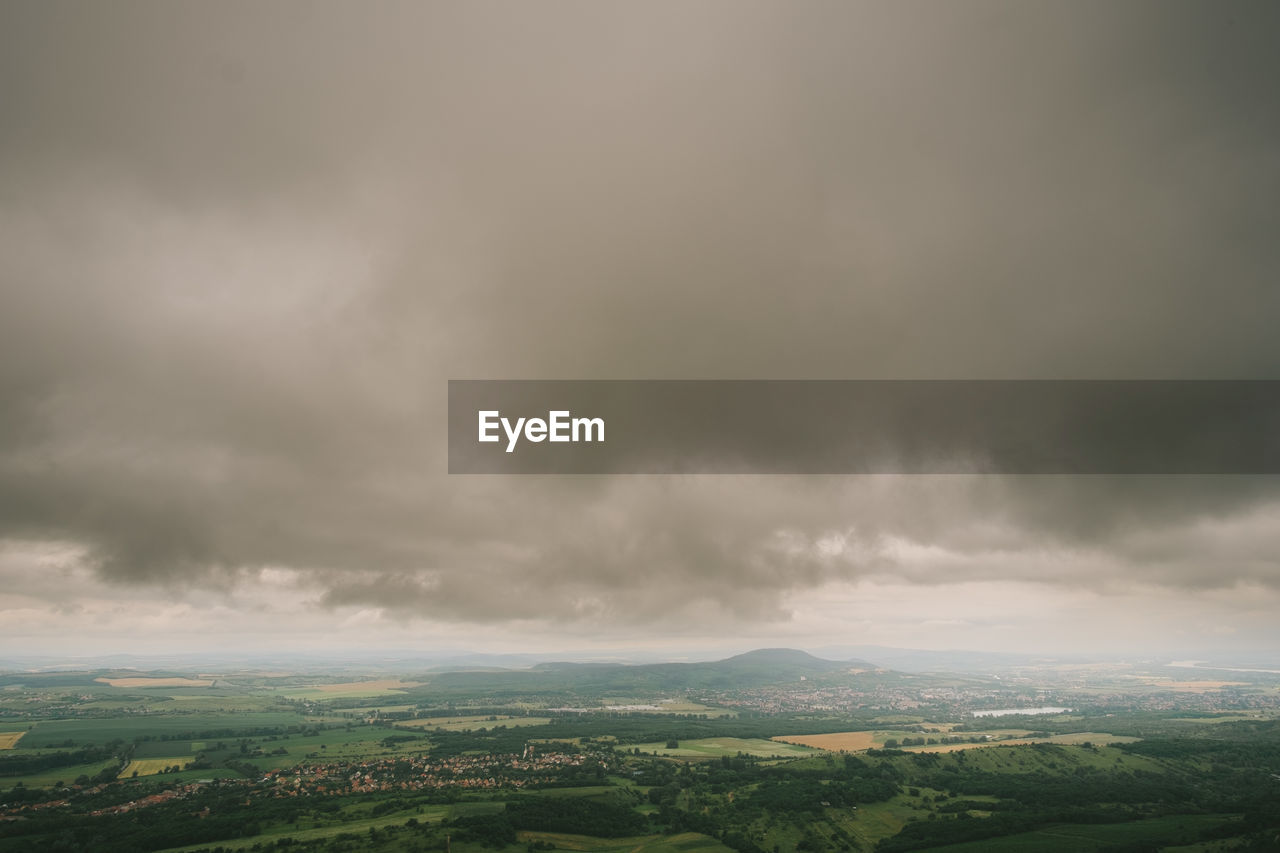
(243, 246)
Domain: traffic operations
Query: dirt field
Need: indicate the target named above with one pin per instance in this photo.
(9, 740)
(156, 682)
(835, 742)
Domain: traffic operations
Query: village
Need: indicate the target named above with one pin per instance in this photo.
(415, 773)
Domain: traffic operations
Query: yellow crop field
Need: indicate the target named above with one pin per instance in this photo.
(8, 740)
(152, 766)
(834, 742)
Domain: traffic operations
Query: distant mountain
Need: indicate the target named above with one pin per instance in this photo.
(787, 657)
(758, 668)
(925, 660)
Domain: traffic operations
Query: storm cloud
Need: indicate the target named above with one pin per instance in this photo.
(244, 246)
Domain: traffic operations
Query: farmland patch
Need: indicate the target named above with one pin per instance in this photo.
(141, 681)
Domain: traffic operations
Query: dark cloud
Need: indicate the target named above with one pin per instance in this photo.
(243, 246)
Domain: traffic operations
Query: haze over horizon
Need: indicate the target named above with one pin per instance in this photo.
(244, 246)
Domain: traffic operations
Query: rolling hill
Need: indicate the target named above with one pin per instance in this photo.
(758, 668)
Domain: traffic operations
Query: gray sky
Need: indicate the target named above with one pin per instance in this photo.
(244, 245)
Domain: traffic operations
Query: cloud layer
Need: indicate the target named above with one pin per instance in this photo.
(243, 247)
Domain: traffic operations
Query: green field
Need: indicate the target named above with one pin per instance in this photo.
(586, 792)
(1076, 838)
(357, 826)
(359, 742)
(66, 775)
(1012, 758)
(1075, 738)
(470, 724)
(167, 748)
(875, 821)
(84, 731)
(685, 842)
(716, 747)
(393, 688)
